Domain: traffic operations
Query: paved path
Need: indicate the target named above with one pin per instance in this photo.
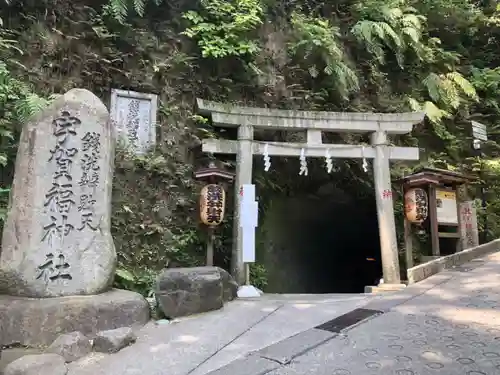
(203, 343)
(447, 324)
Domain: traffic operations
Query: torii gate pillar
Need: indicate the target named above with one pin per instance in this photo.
(379, 125)
(385, 209)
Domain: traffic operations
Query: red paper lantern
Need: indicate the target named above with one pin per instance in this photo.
(212, 204)
(416, 205)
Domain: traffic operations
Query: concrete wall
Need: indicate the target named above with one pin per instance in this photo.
(423, 271)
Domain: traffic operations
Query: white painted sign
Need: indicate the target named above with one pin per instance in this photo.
(446, 206)
(134, 116)
(469, 233)
(249, 211)
(479, 131)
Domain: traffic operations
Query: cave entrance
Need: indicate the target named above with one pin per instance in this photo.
(315, 124)
(318, 244)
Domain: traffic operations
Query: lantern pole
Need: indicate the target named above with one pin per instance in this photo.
(210, 246)
(211, 175)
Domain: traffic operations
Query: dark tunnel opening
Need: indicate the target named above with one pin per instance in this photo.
(345, 249)
(332, 247)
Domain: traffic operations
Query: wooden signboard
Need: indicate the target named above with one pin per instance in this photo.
(446, 207)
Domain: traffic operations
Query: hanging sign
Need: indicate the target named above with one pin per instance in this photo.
(446, 207)
(479, 131)
(249, 211)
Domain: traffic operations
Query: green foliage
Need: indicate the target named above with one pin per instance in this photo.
(136, 280)
(4, 196)
(18, 103)
(120, 9)
(389, 27)
(222, 27)
(148, 195)
(317, 41)
(258, 276)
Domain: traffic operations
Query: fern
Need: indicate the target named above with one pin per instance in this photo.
(383, 28)
(433, 83)
(316, 39)
(29, 105)
(449, 89)
(139, 6)
(463, 84)
(119, 9)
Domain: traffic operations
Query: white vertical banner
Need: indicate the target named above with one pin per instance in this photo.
(249, 211)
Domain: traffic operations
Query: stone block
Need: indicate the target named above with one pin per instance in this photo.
(384, 288)
(34, 322)
(71, 346)
(57, 236)
(37, 364)
(114, 340)
(187, 291)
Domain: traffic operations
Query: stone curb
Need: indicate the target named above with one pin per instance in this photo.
(425, 270)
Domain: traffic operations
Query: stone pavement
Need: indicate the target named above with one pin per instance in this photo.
(448, 324)
(200, 344)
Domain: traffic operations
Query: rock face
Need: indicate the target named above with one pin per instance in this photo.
(56, 239)
(71, 346)
(187, 291)
(37, 364)
(114, 340)
(36, 322)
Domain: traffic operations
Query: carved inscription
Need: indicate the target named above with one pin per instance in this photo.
(91, 149)
(468, 224)
(59, 199)
(55, 267)
(133, 120)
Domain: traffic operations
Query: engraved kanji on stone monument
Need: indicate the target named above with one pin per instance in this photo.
(134, 116)
(57, 238)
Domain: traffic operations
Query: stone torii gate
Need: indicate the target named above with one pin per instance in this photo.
(246, 119)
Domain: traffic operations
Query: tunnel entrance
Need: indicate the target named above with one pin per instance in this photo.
(322, 245)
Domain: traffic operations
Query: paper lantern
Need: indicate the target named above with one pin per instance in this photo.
(416, 205)
(212, 204)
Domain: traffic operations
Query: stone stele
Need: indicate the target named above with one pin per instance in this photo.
(57, 239)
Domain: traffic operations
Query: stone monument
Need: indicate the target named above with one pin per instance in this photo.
(57, 243)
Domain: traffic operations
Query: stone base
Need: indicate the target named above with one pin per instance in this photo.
(38, 322)
(384, 288)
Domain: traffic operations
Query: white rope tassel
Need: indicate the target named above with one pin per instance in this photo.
(267, 159)
(328, 160)
(303, 163)
(365, 163)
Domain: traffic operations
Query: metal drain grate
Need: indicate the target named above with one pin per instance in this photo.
(347, 320)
